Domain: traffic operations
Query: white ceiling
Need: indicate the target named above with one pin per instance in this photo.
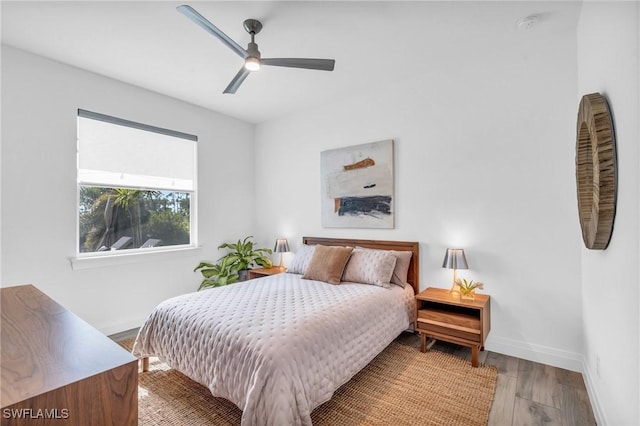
(375, 44)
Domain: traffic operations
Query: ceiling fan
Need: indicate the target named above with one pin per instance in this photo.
(252, 59)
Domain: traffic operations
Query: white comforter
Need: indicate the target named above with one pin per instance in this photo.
(279, 346)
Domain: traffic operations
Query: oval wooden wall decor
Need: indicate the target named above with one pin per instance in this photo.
(596, 174)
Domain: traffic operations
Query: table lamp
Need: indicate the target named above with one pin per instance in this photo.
(454, 259)
(282, 246)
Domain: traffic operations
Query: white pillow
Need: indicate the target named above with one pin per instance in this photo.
(401, 269)
(370, 267)
(301, 259)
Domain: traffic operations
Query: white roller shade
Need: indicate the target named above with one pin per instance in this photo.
(117, 153)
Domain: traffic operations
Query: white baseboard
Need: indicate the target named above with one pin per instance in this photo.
(543, 354)
(555, 357)
(598, 413)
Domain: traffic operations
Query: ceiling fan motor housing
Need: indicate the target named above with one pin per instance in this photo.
(252, 50)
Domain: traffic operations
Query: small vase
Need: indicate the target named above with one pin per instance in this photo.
(468, 296)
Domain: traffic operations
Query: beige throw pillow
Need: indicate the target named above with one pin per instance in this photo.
(327, 263)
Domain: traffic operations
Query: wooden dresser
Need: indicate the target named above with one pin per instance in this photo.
(58, 370)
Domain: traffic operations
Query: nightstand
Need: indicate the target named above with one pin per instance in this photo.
(442, 316)
(263, 272)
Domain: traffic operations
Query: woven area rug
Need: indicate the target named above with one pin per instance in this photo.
(401, 386)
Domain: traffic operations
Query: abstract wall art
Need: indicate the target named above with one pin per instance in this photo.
(357, 186)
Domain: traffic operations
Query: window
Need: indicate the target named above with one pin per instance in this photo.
(136, 185)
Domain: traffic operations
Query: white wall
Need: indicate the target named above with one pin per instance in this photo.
(484, 159)
(608, 52)
(40, 99)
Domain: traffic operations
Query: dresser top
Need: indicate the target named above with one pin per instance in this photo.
(45, 346)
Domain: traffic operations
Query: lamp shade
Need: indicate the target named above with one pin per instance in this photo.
(455, 259)
(282, 246)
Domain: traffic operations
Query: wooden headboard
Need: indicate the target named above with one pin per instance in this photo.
(413, 276)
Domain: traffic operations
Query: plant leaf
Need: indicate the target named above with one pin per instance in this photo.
(206, 284)
(203, 265)
(208, 273)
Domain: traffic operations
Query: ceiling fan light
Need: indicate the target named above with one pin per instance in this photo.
(252, 64)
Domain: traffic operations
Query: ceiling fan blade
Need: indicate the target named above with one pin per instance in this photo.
(200, 20)
(237, 80)
(311, 64)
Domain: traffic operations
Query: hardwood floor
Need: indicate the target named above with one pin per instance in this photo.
(529, 393)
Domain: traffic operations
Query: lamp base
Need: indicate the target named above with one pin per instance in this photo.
(454, 285)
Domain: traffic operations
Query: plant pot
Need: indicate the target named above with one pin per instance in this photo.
(468, 296)
(243, 274)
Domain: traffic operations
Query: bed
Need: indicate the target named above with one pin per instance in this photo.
(279, 346)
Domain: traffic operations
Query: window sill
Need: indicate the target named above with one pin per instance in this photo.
(130, 257)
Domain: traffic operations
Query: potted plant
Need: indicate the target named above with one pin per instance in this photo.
(233, 266)
(468, 288)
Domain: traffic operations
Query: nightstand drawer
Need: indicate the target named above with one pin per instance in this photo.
(467, 320)
(425, 325)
